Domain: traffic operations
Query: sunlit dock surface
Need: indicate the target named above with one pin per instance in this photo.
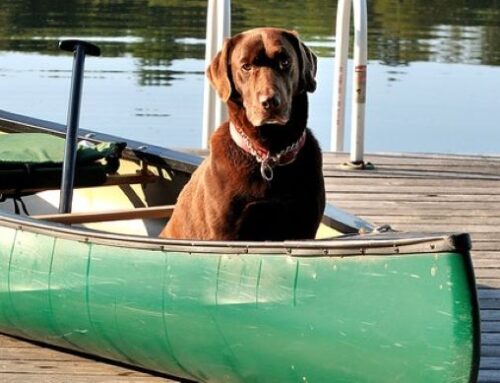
(410, 192)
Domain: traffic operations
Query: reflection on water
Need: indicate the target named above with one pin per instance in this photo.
(149, 82)
(157, 31)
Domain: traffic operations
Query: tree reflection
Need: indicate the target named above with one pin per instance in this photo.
(153, 31)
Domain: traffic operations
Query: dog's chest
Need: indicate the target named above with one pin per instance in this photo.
(271, 214)
(267, 219)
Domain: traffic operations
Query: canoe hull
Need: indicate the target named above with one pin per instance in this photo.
(235, 317)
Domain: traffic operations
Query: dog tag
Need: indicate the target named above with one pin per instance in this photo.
(266, 169)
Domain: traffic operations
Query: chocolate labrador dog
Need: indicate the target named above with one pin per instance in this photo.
(263, 178)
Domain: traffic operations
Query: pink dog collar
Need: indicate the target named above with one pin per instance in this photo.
(263, 156)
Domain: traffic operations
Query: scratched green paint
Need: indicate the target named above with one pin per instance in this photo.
(27, 284)
(244, 318)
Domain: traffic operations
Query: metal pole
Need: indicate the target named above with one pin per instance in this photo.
(359, 81)
(209, 95)
(218, 28)
(80, 48)
(223, 31)
(340, 73)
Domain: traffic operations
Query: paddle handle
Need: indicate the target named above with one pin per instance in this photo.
(80, 49)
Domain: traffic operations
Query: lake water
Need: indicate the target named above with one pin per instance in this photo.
(433, 74)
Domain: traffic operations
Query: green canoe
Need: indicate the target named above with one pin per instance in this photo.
(381, 306)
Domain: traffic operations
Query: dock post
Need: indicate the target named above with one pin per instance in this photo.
(359, 81)
(218, 28)
(340, 74)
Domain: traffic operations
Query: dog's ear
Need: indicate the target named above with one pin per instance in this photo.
(307, 63)
(309, 69)
(219, 71)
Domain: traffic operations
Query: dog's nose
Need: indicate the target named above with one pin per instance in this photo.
(270, 101)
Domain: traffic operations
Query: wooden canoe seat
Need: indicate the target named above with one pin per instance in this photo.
(164, 211)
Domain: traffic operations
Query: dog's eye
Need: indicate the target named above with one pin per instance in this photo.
(246, 67)
(284, 63)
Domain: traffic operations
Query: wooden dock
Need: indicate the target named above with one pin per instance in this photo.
(409, 192)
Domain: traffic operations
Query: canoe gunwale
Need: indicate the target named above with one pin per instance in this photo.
(390, 243)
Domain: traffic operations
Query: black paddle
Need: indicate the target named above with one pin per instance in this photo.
(80, 48)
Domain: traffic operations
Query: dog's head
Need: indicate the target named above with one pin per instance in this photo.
(263, 69)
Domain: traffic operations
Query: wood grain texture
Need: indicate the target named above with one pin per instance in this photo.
(106, 216)
(23, 362)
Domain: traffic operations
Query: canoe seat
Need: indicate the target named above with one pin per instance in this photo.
(153, 212)
(30, 162)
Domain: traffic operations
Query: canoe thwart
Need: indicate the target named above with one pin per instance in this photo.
(115, 215)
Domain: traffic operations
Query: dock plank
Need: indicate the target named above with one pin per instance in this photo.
(408, 191)
(54, 378)
(23, 362)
